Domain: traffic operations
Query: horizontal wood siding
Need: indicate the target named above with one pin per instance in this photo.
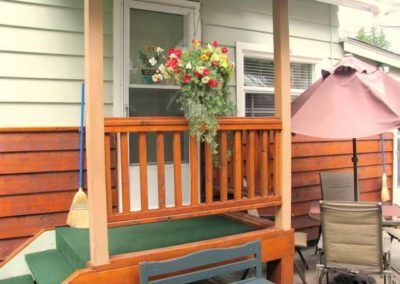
(42, 61)
(310, 156)
(38, 179)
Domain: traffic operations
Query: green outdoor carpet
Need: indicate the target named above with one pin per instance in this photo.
(24, 279)
(74, 243)
(48, 267)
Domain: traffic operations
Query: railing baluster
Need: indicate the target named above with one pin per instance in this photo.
(250, 165)
(107, 154)
(143, 171)
(264, 169)
(277, 170)
(223, 167)
(257, 160)
(126, 203)
(177, 168)
(161, 169)
(193, 170)
(208, 172)
(237, 165)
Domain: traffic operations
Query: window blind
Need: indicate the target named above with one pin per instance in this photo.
(260, 104)
(260, 73)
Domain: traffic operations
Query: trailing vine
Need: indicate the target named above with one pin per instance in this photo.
(203, 73)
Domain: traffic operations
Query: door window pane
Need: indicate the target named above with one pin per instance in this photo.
(148, 30)
(155, 102)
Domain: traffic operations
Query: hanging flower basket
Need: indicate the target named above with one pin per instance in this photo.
(203, 73)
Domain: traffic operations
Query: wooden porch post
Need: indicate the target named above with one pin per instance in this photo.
(282, 271)
(282, 106)
(95, 132)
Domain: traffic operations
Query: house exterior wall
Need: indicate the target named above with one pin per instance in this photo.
(42, 55)
(313, 27)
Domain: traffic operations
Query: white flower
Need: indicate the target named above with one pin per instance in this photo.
(205, 79)
(152, 61)
(157, 77)
(209, 46)
(161, 68)
(189, 66)
(200, 69)
(159, 50)
(173, 55)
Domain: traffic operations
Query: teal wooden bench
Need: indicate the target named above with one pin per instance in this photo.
(205, 265)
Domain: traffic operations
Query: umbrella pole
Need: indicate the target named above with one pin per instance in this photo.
(355, 169)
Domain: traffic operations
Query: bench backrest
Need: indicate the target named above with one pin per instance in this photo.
(203, 265)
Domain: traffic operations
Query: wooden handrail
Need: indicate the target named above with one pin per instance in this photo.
(154, 124)
(246, 179)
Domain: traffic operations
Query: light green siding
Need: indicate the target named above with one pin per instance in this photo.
(41, 51)
(313, 26)
(42, 61)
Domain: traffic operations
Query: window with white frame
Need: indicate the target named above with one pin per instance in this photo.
(255, 80)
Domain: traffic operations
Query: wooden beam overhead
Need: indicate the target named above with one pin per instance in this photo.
(95, 156)
(282, 106)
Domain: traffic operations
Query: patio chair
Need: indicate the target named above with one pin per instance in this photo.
(206, 264)
(352, 234)
(337, 186)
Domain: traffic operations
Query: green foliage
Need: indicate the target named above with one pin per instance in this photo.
(374, 36)
(203, 73)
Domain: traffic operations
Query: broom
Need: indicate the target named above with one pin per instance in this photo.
(385, 195)
(78, 216)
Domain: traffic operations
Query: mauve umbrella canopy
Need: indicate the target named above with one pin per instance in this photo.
(354, 100)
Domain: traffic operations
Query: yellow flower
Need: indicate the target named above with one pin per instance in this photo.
(215, 57)
(204, 57)
(196, 43)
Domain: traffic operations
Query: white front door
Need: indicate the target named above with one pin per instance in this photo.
(146, 27)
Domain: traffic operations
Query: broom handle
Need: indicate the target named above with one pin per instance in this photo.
(81, 138)
(383, 153)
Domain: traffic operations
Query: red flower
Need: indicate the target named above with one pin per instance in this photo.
(215, 43)
(215, 63)
(171, 51)
(177, 52)
(198, 75)
(206, 72)
(186, 79)
(172, 63)
(224, 50)
(213, 83)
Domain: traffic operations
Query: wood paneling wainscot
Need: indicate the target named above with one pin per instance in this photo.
(38, 179)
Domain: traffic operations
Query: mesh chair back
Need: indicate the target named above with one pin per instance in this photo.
(337, 186)
(352, 234)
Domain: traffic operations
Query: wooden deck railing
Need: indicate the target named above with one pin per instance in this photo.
(247, 179)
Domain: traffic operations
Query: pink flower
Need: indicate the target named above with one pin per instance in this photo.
(215, 63)
(206, 72)
(213, 83)
(215, 43)
(224, 50)
(186, 79)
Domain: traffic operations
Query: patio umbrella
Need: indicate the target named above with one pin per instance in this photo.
(355, 99)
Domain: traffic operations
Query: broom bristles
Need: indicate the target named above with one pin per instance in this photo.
(385, 195)
(78, 216)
